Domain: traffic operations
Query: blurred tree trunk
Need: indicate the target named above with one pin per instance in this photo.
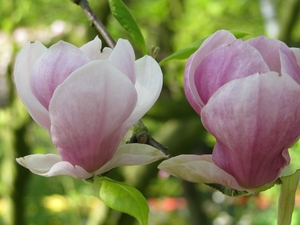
(12, 135)
(290, 17)
(21, 177)
(195, 199)
(14, 121)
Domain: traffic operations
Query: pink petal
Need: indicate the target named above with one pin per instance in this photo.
(190, 90)
(289, 63)
(279, 57)
(198, 169)
(53, 67)
(93, 50)
(226, 63)
(87, 112)
(268, 48)
(22, 72)
(255, 120)
(148, 85)
(132, 154)
(123, 58)
(212, 42)
(296, 51)
(52, 165)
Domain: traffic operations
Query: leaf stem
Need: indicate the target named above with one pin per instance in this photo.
(96, 21)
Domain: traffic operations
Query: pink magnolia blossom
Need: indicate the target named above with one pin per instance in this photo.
(248, 97)
(87, 99)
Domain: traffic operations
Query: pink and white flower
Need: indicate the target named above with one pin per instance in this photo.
(87, 99)
(248, 96)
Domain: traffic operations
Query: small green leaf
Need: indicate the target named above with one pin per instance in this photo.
(122, 197)
(191, 48)
(287, 198)
(127, 21)
(239, 34)
(184, 53)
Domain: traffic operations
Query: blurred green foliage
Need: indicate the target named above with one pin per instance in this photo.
(169, 25)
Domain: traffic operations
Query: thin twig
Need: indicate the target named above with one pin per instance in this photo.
(140, 135)
(95, 20)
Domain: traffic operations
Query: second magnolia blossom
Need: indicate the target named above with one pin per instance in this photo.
(87, 100)
(248, 97)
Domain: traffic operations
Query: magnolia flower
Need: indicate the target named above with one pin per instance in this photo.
(248, 97)
(87, 100)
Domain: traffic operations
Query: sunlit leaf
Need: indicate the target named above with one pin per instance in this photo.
(191, 48)
(127, 21)
(122, 197)
(239, 34)
(287, 198)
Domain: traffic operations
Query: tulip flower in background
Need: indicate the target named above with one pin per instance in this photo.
(248, 96)
(87, 100)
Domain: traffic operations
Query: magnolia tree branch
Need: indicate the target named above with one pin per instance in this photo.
(95, 20)
(140, 135)
(140, 131)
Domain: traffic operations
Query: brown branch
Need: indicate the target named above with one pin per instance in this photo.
(141, 135)
(95, 20)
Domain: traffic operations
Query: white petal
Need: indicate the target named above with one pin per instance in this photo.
(52, 165)
(39, 163)
(106, 52)
(22, 72)
(132, 154)
(149, 80)
(123, 58)
(198, 169)
(93, 50)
